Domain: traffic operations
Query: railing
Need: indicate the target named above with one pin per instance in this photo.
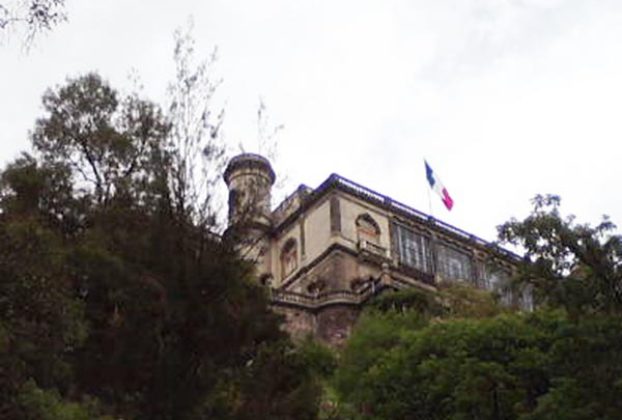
(358, 188)
(396, 206)
(409, 211)
(372, 248)
(314, 301)
(291, 203)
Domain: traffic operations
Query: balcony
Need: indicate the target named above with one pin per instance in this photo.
(333, 297)
(370, 248)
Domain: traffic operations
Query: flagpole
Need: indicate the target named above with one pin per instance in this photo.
(430, 212)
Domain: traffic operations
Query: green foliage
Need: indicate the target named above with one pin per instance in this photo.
(463, 357)
(574, 266)
(42, 323)
(375, 334)
(462, 300)
(38, 404)
(413, 299)
(513, 366)
(459, 369)
(586, 371)
(450, 300)
(319, 358)
(114, 299)
(279, 384)
(114, 144)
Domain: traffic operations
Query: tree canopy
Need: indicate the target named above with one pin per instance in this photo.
(454, 354)
(33, 16)
(114, 299)
(568, 264)
(513, 366)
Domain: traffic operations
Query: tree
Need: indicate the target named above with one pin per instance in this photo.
(112, 144)
(384, 324)
(454, 355)
(512, 366)
(160, 319)
(34, 16)
(200, 153)
(41, 322)
(457, 369)
(574, 266)
(455, 300)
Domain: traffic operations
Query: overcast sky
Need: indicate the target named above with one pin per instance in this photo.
(504, 98)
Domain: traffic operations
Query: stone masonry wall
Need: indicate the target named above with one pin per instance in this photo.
(331, 325)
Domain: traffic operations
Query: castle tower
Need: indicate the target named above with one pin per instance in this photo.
(249, 178)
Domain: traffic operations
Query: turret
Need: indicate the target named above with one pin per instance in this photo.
(249, 178)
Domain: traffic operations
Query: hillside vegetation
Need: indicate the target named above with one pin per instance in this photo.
(118, 299)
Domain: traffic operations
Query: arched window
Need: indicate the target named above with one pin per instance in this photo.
(367, 229)
(289, 258)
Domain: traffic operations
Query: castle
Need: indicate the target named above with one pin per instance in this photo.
(324, 252)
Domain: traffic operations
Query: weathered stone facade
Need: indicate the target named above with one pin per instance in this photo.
(324, 252)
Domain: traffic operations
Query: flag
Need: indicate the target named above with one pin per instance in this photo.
(438, 187)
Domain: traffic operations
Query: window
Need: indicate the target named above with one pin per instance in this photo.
(289, 258)
(234, 203)
(367, 229)
(526, 299)
(495, 277)
(454, 264)
(413, 249)
(499, 280)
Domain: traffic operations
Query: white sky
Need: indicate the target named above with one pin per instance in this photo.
(505, 98)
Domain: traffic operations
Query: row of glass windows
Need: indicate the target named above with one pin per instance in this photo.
(415, 250)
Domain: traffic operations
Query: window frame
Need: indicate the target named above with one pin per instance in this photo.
(449, 257)
(367, 229)
(420, 256)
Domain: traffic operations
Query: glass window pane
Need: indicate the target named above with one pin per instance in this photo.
(454, 264)
(413, 249)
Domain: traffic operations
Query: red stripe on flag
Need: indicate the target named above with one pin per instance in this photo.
(447, 200)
